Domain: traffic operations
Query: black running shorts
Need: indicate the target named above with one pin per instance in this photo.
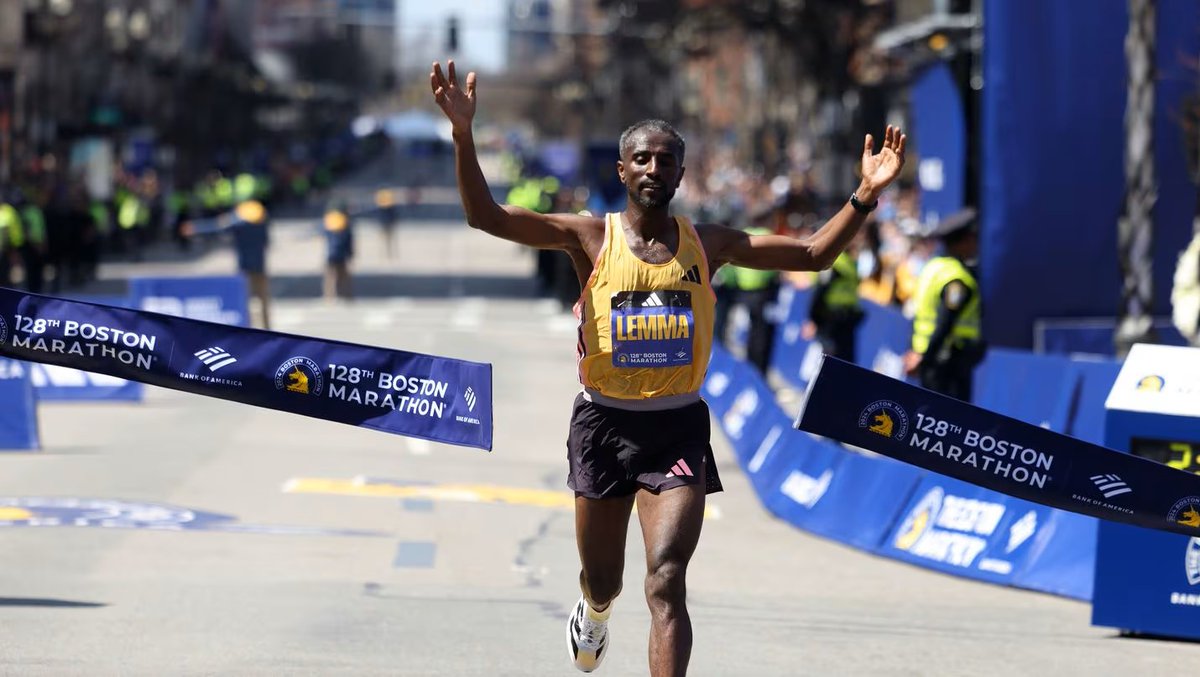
(614, 452)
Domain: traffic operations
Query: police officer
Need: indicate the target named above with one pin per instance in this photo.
(33, 249)
(11, 238)
(835, 312)
(946, 342)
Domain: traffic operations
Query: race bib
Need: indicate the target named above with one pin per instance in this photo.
(652, 329)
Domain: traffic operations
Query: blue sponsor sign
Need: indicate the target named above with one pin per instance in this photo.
(18, 416)
(761, 464)
(393, 391)
(1064, 556)
(939, 128)
(220, 299)
(953, 438)
(747, 418)
(1147, 581)
(56, 383)
(722, 380)
(803, 478)
(837, 493)
(964, 529)
(1037, 389)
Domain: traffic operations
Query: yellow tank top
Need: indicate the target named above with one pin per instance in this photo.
(645, 329)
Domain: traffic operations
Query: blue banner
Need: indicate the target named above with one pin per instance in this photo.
(964, 529)
(939, 132)
(55, 383)
(723, 379)
(953, 438)
(1037, 389)
(18, 416)
(1149, 582)
(221, 299)
(1064, 557)
(392, 391)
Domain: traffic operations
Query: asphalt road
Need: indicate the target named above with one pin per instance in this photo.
(281, 545)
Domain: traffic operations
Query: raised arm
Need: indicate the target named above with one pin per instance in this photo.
(545, 231)
(818, 251)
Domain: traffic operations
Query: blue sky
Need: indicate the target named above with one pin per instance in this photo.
(422, 28)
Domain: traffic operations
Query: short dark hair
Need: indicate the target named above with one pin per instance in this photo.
(652, 125)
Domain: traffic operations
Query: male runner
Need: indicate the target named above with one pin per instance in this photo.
(639, 430)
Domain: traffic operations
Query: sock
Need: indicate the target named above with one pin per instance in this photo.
(598, 616)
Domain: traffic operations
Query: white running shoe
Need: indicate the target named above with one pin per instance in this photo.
(587, 635)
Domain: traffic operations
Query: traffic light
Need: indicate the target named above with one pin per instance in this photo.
(452, 34)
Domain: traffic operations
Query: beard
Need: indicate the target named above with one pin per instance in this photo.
(650, 201)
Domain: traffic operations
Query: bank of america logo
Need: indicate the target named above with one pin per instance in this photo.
(469, 396)
(1110, 485)
(214, 358)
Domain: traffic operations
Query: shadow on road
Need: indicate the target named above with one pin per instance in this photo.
(45, 602)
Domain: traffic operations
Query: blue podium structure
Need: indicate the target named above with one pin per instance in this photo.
(1148, 582)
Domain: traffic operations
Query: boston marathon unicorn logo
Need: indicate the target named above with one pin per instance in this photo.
(299, 375)
(1186, 511)
(919, 519)
(1151, 384)
(883, 424)
(886, 418)
(297, 381)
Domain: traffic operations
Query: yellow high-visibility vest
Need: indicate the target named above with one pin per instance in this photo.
(938, 273)
(10, 222)
(752, 279)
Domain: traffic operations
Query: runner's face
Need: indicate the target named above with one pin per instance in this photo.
(652, 170)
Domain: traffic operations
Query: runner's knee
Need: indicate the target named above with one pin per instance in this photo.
(600, 587)
(665, 582)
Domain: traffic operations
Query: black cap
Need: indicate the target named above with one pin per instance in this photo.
(954, 224)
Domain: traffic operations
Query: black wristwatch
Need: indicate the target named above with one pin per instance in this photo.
(860, 206)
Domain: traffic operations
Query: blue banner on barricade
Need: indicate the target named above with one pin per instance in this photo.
(772, 444)
(56, 383)
(802, 474)
(52, 382)
(938, 433)
(837, 493)
(753, 406)
(1095, 380)
(883, 338)
(1126, 597)
(18, 416)
(1037, 389)
(787, 353)
(963, 529)
(221, 299)
(865, 498)
(435, 398)
(1064, 557)
(722, 381)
